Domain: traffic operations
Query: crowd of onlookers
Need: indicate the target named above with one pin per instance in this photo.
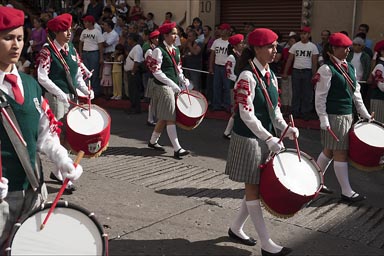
(106, 27)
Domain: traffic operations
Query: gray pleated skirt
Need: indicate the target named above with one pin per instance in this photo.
(377, 106)
(149, 89)
(340, 125)
(244, 158)
(163, 103)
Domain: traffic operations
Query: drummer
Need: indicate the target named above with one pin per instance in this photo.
(38, 127)
(253, 135)
(377, 94)
(51, 73)
(334, 103)
(168, 81)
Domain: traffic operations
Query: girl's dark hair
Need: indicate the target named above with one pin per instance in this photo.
(208, 27)
(247, 53)
(327, 48)
(230, 50)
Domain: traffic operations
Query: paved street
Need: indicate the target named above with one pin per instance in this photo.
(152, 204)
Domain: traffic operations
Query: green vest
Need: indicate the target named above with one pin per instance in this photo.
(167, 65)
(260, 108)
(28, 118)
(339, 99)
(57, 73)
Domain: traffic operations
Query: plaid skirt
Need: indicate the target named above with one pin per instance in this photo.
(377, 106)
(149, 89)
(340, 125)
(163, 103)
(244, 158)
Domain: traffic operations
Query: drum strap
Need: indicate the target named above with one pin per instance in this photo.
(271, 111)
(21, 150)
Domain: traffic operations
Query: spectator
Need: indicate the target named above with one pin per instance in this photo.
(365, 49)
(117, 72)
(132, 67)
(111, 38)
(197, 25)
(364, 28)
(136, 12)
(320, 46)
(95, 9)
(219, 54)
(377, 94)
(192, 58)
(91, 49)
(303, 55)
(38, 36)
(207, 79)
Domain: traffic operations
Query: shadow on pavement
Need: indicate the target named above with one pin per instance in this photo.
(173, 247)
(203, 192)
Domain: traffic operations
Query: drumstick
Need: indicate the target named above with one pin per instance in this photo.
(77, 105)
(332, 133)
(89, 96)
(61, 191)
(296, 141)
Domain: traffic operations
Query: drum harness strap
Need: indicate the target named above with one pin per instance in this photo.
(271, 112)
(12, 128)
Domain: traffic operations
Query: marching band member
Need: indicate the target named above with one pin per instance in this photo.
(377, 94)
(52, 74)
(235, 48)
(253, 135)
(334, 98)
(22, 189)
(166, 69)
(148, 48)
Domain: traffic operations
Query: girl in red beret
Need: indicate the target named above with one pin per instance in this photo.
(334, 98)
(377, 94)
(253, 135)
(21, 189)
(168, 81)
(235, 48)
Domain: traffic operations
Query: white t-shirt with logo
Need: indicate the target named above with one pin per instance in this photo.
(220, 47)
(91, 38)
(303, 54)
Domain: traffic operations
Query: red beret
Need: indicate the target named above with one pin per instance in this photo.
(340, 39)
(89, 18)
(306, 29)
(379, 46)
(225, 26)
(154, 34)
(167, 27)
(261, 37)
(235, 39)
(60, 23)
(10, 18)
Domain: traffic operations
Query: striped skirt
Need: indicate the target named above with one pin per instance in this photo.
(340, 125)
(149, 89)
(244, 158)
(163, 103)
(377, 106)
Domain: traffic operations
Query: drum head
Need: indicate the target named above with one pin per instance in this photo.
(193, 106)
(370, 133)
(80, 121)
(70, 230)
(302, 178)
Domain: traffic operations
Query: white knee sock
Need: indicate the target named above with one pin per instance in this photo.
(323, 161)
(229, 126)
(155, 137)
(241, 218)
(341, 171)
(150, 115)
(172, 134)
(256, 214)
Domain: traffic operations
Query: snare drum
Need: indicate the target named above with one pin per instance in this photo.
(70, 230)
(191, 107)
(86, 131)
(366, 145)
(286, 185)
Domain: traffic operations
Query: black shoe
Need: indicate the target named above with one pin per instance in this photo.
(179, 153)
(250, 241)
(53, 177)
(151, 123)
(326, 190)
(284, 251)
(227, 136)
(156, 146)
(353, 198)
